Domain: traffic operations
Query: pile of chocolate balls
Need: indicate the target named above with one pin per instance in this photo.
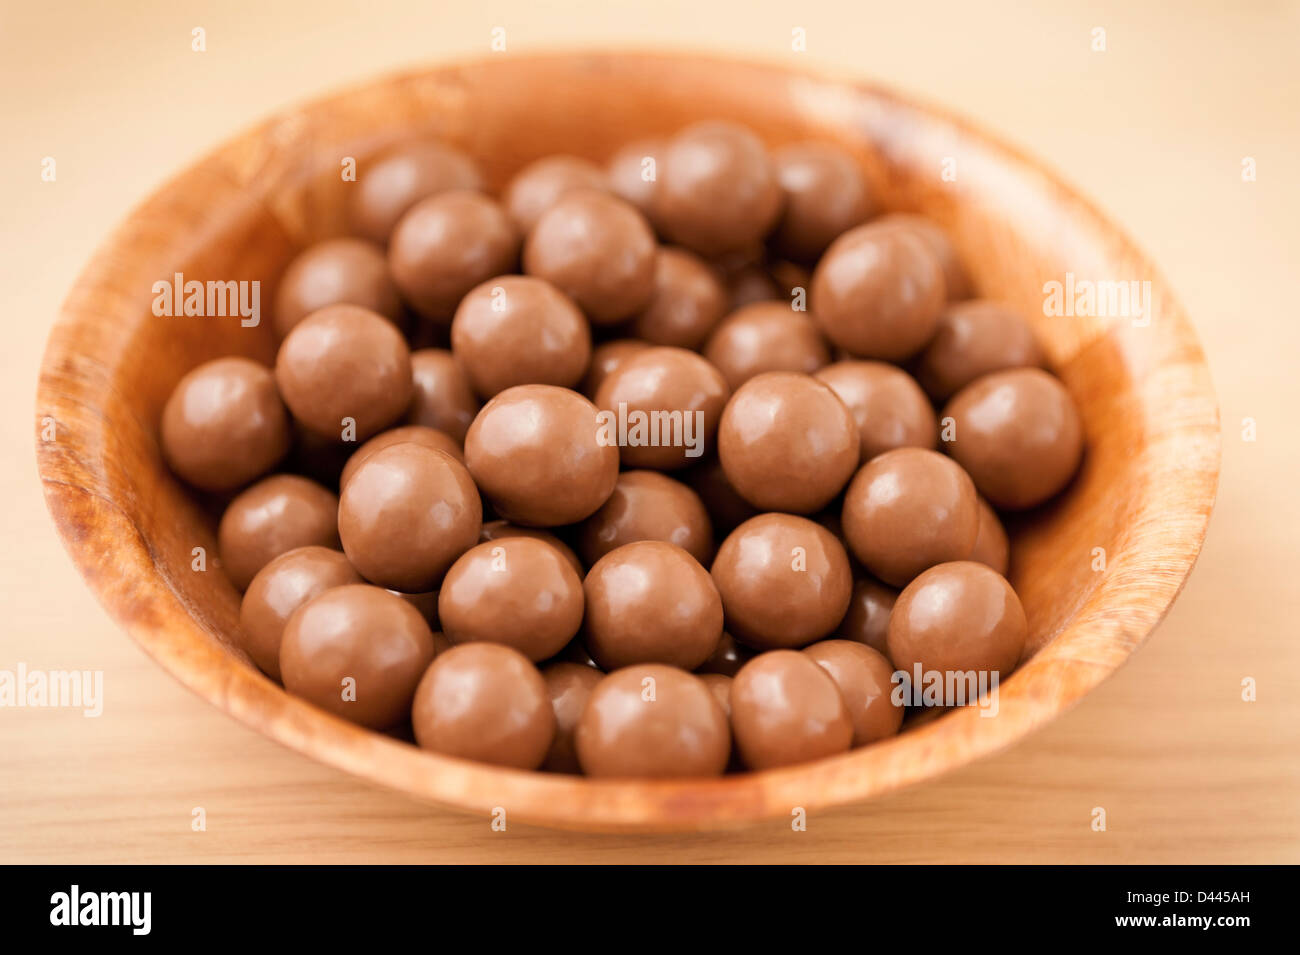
(683, 464)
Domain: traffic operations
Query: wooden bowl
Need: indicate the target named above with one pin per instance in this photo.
(1143, 497)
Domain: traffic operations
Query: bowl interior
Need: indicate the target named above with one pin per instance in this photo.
(1095, 570)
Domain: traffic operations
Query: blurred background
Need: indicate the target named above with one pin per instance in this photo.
(1154, 128)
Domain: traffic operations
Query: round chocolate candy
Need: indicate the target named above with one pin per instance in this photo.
(717, 188)
(877, 293)
(633, 172)
(358, 652)
(443, 398)
(663, 406)
(415, 433)
(972, 339)
(335, 272)
(271, 517)
(825, 195)
(224, 424)
(888, 405)
(864, 678)
(606, 357)
(485, 702)
(518, 591)
(727, 509)
(540, 185)
(719, 685)
(500, 530)
(647, 505)
(1018, 435)
(957, 617)
(785, 581)
(598, 250)
(447, 244)
(570, 686)
(517, 330)
(867, 620)
(909, 509)
(387, 188)
(785, 709)
(687, 302)
(280, 588)
(406, 514)
(956, 281)
(766, 336)
(991, 545)
(750, 285)
(651, 602)
(538, 453)
(345, 369)
(787, 442)
(652, 721)
(727, 659)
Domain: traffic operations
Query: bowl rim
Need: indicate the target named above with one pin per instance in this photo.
(157, 618)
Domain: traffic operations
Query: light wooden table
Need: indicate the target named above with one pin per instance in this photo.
(1155, 128)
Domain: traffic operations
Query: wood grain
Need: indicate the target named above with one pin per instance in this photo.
(1144, 494)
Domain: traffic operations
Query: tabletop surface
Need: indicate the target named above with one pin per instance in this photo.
(1157, 128)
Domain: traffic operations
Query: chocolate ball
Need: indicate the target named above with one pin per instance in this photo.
(224, 424)
(956, 617)
(687, 302)
(516, 330)
(536, 452)
(671, 400)
(570, 686)
(1018, 435)
(864, 678)
(955, 280)
(888, 405)
(395, 182)
(787, 443)
(518, 591)
(726, 659)
(785, 709)
(406, 514)
(633, 172)
(598, 250)
(335, 272)
(271, 517)
(877, 293)
(750, 285)
(345, 361)
(485, 702)
(443, 397)
(784, 581)
(973, 339)
(727, 509)
(720, 686)
(907, 510)
(447, 244)
(651, 602)
(648, 506)
(358, 652)
(652, 721)
(500, 530)
(417, 434)
(540, 185)
(766, 336)
(717, 188)
(991, 545)
(867, 620)
(280, 588)
(825, 195)
(606, 357)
